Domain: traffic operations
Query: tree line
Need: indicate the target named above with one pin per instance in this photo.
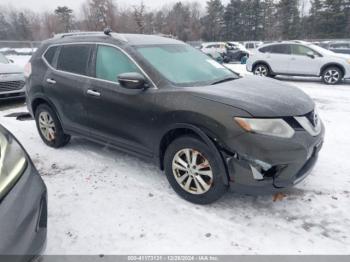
(239, 20)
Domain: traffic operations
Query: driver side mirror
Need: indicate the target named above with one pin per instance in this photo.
(11, 61)
(310, 54)
(132, 81)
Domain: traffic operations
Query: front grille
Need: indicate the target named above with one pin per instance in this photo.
(11, 85)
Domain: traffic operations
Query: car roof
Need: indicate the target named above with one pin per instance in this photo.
(214, 43)
(128, 39)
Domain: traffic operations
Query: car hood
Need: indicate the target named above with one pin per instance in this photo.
(9, 69)
(260, 97)
(340, 55)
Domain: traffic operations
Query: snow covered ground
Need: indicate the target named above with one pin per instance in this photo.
(102, 201)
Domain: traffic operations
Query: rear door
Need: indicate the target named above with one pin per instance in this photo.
(66, 83)
(301, 63)
(278, 57)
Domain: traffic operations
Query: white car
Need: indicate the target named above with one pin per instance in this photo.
(12, 83)
(299, 59)
(252, 45)
(214, 48)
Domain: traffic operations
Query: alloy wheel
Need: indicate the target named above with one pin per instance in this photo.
(261, 71)
(47, 126)
(332, 76)
(192, 171)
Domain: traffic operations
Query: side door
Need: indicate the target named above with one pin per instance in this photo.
(278, 57)
(116, 115)
(304, 61)
(66, 82)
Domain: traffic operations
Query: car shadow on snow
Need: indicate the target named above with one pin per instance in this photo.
(308, 80)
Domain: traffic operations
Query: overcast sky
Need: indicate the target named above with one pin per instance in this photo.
(50, 5)
(40, 5)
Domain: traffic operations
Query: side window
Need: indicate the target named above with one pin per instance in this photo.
(74, 59)
(281, 49)
(301, 50)
(266, 49)
(111, 62)
(50, 54)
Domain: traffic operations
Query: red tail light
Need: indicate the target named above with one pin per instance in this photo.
(28, 70)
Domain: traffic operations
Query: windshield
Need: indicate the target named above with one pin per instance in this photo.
(3, 59)
(321, 50)
(184, 65)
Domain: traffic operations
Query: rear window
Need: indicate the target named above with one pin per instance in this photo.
(276, 49)
(281, 49)
(50, 54)
(74, 59)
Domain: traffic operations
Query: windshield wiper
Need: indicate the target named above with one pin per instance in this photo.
(224, 80)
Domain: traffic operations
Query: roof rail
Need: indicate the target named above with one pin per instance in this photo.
(87, 33)
(62, 35)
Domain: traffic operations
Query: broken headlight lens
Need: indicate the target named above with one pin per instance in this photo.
(12, 162)
(270, 127)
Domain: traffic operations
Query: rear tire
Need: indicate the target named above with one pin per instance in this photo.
(332, 75)
(49, 127)
(195, 172)
(261, 70)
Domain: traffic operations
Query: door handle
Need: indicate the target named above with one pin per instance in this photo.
(50, 81)
(93, 93)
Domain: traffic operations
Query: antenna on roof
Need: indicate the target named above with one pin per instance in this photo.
(107, 31)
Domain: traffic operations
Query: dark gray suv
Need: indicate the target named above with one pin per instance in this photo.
(164, 101)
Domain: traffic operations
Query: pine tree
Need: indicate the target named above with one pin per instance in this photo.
(233, 21)
(213, 22)
(65, 18)
(289, 19)
(335, 18)
(269, 20)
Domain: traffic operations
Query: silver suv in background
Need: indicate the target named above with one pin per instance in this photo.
(299, 59)
(11, 79)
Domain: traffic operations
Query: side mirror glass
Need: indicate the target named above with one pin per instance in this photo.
(132, 80)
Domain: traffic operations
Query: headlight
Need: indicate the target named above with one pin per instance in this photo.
(12, 162)
(348, 61)
(269, 127)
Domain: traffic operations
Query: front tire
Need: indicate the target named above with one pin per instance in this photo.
(332, 75)
(195, 172)
(49, 127)
(261, 70)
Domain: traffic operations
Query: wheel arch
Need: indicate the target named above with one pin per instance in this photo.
(332, 64)
(43, 100)
(262, 62)
(182, 129)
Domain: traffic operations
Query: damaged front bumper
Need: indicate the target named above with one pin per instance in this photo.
(267, 164)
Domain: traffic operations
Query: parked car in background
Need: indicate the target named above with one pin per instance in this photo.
(166, 102)
(235, 52)
(11, 79)
(300, 59)
(252, 45)
(342, 47)
(230, 51)
(23, 202)
(214, 48)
